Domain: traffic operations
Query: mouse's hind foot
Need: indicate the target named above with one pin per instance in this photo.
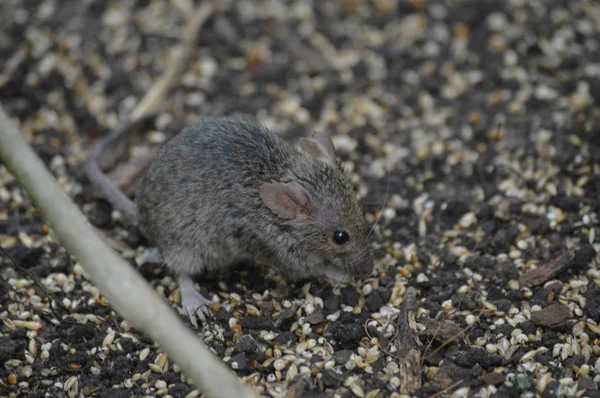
(194, 304)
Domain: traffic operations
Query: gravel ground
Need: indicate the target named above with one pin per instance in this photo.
(479, 119)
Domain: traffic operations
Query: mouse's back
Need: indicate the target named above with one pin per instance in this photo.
(226, 145)
(208, 170)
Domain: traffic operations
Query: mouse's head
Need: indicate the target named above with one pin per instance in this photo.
(318, 203)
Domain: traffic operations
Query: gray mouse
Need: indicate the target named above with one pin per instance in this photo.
(228, 190)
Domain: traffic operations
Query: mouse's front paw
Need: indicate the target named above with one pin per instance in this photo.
(195, 306)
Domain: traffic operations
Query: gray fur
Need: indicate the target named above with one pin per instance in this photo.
(199, 203)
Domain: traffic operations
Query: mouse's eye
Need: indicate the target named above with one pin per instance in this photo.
(341, 237)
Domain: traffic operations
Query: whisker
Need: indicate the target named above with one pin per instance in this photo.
(387, 190)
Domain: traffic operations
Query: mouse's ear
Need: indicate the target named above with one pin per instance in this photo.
(285, 200)
(320, 146)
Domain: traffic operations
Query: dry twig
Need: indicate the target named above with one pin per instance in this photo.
(547, 271)
(441, 331)
(154, 98)
(408, 344)
(447, 389)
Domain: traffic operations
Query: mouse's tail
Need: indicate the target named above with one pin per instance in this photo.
(101, 182)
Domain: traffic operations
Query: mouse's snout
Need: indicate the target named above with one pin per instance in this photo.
(346, 268)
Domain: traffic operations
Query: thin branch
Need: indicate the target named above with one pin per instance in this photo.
(153, 99)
